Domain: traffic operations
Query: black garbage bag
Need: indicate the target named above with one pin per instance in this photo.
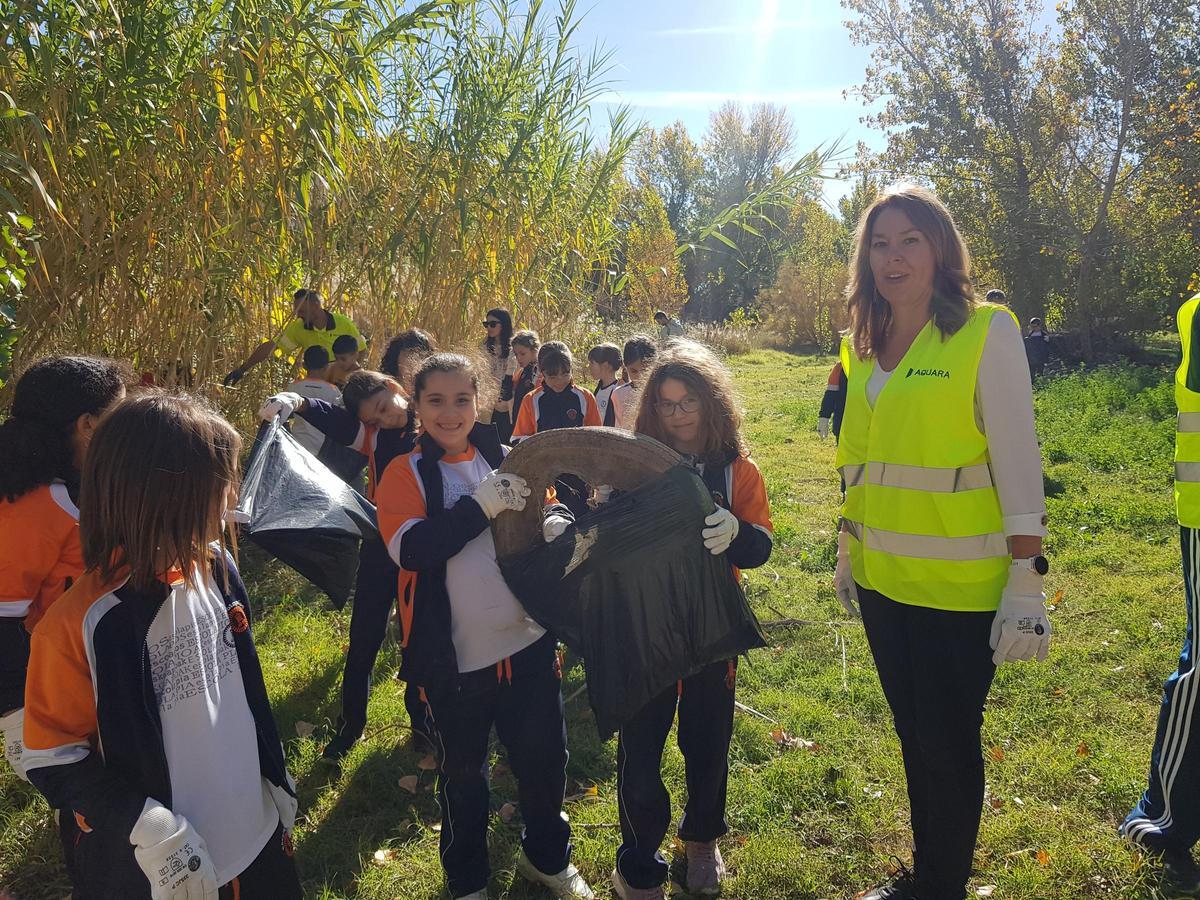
(632, 589)
(301, 513)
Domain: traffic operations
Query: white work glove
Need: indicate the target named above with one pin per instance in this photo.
(601, 493)
(285, 803)
(172, 856)
(823, 428)
(12, 727)
(843, 577)
(1021, 627)
(722, 529)
(553, 526)
(498, 492)
(282, 405)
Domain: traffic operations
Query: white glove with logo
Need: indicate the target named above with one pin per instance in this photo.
(553, 526)
(722, 529)
(497, 492)
(843, 577)
(1021, 628)
(282, 405)
(285, 803)
(172, 856)
(823, 428)
(12, 727)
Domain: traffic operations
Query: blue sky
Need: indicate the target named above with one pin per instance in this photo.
(681, 59)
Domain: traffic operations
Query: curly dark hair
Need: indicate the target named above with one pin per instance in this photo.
(35, 440)
(415, 340)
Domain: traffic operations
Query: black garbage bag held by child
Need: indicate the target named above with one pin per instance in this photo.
(301, 513)
(630, 586)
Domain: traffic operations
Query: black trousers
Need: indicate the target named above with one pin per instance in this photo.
(14, 662)
(705, 706)
(374, 598)
(524, 701)
(272, 875)
(936, 670)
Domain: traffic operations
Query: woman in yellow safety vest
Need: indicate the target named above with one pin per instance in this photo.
(941, 537)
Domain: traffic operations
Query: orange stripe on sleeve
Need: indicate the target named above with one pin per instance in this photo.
(750, 494)
(398, 498)
(591, 414)
(526, 422)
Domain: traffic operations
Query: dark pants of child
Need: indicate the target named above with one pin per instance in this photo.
(936, 669)
(14, 661)
(1168, 815)
(522, 698)
(705, 705)
(374, 598)
(272, 875)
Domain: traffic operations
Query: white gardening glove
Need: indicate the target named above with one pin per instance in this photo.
(553, 526)
(843, 577)
(282, 405)
(823, 428)
(286, 803)
(172, 856)
(601, 493)
(498, 492)
(722, 529)
(1021, 627)
(12, 727)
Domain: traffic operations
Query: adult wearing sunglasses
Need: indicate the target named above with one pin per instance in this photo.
(503, 362)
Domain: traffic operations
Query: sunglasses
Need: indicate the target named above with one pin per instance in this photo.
(490, 323)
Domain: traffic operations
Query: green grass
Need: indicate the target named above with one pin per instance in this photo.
(1068, 741)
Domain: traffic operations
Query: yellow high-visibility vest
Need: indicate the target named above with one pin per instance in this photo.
(921, 507)
(1187, 429)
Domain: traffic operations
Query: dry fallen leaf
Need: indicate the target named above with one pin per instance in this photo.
(997, 754)
(507, 811)
(409, 783)
(785, 741)
(1043, 857)
(427, 763)
(305, 729)
(588, 793)
(1082, 749)
(985, 890)
(383, 857)
(1058, 595)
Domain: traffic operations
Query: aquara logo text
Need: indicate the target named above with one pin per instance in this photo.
(928, 373)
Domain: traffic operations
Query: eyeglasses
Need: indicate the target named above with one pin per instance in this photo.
(668, 408)
(490, 323)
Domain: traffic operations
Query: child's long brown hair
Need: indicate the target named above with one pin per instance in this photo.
(155, 474)
(698, 368)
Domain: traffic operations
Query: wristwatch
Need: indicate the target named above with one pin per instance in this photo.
(1038, 564)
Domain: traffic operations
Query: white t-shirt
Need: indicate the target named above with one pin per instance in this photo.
(604, 397)
(208, 730)
(487, 623)
(1004, 412)
(307, 435)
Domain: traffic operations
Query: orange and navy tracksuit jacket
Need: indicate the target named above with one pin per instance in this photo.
(544, 409)
(93, 738)
(379, 445)
(833, 401)
(39, 551)
(739, 487)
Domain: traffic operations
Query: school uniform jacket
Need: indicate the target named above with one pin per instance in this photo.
(544, 410)
(738, 486)
(93, 737)
(379, 445)
(39, 551)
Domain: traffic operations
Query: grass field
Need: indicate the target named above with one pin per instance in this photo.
(1068, 741)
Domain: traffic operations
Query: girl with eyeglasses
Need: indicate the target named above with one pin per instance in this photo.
(498, 347)
(688, 404)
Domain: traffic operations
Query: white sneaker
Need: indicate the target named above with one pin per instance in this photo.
(705, 868)
(566, 885)
(625, 892)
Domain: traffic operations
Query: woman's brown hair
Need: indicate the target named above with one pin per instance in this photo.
(953, 296)
(705, 377)
(156, 471)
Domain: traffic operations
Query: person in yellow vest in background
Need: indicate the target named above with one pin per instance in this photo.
(940, 547)
(1166, 821)
(312, 325)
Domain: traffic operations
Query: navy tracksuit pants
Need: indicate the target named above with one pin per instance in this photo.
(705, 706)
(1168, 815)
(374, 598)
(523, 699)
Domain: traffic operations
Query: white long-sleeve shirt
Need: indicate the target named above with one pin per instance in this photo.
(1003, 412)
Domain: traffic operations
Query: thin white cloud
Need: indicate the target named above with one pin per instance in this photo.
(745, 28)
(829, 96)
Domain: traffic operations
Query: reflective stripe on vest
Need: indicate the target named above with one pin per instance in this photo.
(1187, 429)
(919, 478)
(924, 546)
